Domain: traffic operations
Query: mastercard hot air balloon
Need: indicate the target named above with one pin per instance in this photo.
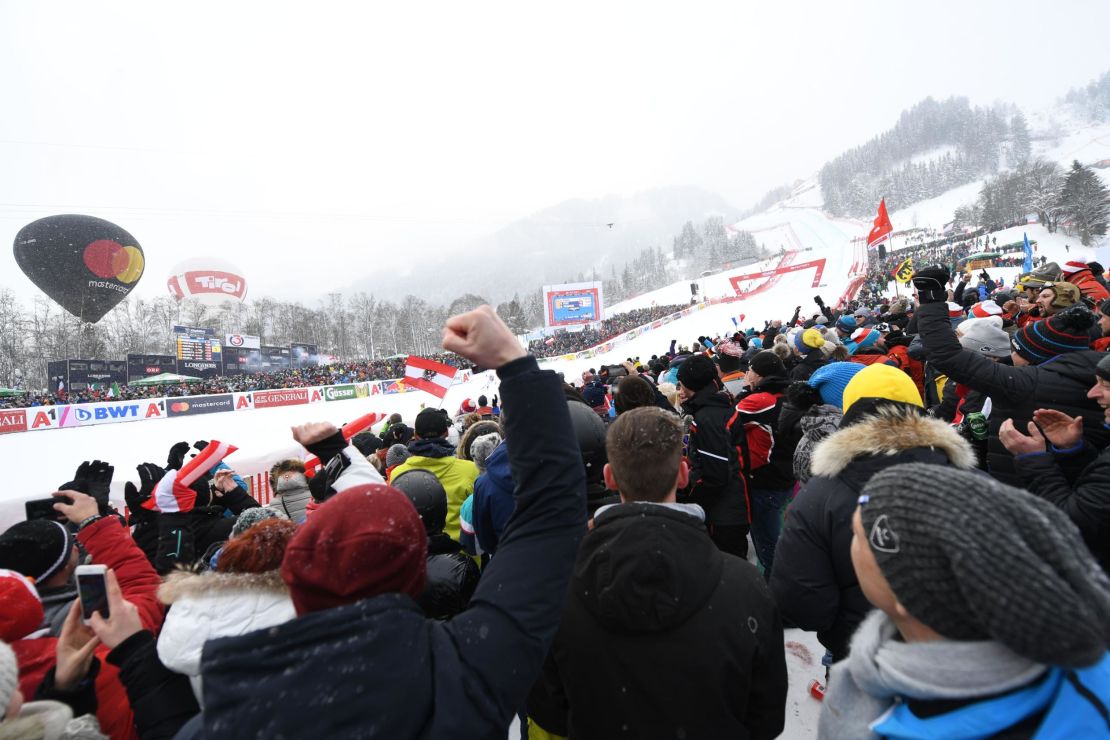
(209, 280)
(86, 264)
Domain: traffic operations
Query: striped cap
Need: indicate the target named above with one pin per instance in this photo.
(983, 309)
(1059, 334)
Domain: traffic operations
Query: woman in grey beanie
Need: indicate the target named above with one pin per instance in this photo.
(993, 617)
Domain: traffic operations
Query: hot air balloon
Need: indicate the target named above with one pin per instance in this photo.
(210, 280)
(86, 264)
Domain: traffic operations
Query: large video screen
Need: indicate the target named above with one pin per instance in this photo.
(572, 303)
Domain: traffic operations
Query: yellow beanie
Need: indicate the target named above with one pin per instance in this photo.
(881, 381)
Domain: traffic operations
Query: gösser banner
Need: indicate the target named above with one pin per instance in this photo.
(114, 412)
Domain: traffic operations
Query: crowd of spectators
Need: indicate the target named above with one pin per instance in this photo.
(302, 377)
(566, 342)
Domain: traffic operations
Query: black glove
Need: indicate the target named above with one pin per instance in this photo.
(818, 301)
(176, 457)
(495, 402)
(80, 480)
(149, 475)
(200, 444)
(100, 480)
(932, 284)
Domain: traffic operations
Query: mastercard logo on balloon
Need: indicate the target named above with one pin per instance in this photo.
(86, 264)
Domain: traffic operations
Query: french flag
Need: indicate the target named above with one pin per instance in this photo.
(173, 492)
(429, 375)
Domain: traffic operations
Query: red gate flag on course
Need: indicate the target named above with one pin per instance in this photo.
(882, 227)
(428, 375)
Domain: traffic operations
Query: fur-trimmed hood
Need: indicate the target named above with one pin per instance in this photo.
(888, 432)
(184, 584)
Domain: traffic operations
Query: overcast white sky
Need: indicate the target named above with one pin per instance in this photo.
(313, 142)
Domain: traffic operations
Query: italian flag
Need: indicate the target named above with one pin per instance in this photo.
(429, 375)
(113, 392)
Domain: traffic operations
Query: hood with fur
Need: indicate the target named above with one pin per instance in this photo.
(888, 432)
(184, 584)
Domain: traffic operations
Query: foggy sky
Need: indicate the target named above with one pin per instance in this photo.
(315, 142)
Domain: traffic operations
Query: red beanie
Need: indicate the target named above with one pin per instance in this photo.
(365, 541)
(22, 612)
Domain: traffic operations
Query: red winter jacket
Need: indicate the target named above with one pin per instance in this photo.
(1088, 286)
(899, 357)
(109, 543)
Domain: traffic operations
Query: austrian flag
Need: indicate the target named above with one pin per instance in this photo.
(429, 375)
(174, 493)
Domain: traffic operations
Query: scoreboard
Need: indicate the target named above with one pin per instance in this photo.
(199, 351)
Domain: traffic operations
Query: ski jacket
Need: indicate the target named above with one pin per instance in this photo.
(1076, 480)
(108, 543)
(816, 424)
(1015, 392)
(1089, 286)
(813, 581)
(379, 666)
(210, 605)
(650, 589)
(808, 365)
(715, 481)
(493, 499)
(452, 578)
(899, 357)
(765, 455)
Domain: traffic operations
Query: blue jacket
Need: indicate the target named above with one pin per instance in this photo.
(378, 667)
(594, 393)
(493, 499)
(1062, 704)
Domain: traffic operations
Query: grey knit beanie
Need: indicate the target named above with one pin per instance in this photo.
(396, 455)
(250, 517)
(978, 560)
(9, 676)
(483, 447)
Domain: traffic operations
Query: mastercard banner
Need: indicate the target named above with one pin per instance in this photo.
(193, 405)
(85, 264)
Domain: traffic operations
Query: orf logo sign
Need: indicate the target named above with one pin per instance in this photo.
(235, 340)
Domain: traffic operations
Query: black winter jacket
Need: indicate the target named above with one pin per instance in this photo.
(161, 699)
(1015, 392)
(813, 580)
(715, 482)
(1076, 481)
(452, 578)
(665, 636)
(808, 365)
(378, 666)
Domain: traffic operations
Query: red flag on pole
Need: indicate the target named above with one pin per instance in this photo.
(882, 228)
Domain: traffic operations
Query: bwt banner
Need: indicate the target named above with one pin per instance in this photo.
(84, 414)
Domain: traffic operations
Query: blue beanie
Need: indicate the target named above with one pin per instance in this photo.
(831, 380)
(847, 323)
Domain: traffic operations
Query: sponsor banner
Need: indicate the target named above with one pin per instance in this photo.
(346, 392)
(243, 341)
(243, 401)
(282, 397)
(14, 420)
(146, 366)
(656, 324)
(200, 368)
(389, 387)
(585, 354)
(192, 405)
(110, 412)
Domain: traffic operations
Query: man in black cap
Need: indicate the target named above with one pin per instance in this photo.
(992, 615)
(432, 452)
(715, 481)
(45, 550)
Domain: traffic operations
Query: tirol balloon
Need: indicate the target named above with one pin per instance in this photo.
(86, 264)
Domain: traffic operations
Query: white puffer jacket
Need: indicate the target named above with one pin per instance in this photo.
(210, 605)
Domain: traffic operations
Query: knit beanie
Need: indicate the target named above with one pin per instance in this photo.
(38, 548)
(808, 341)
(259, 549)
(983, 309)
(1104, 308)
(697, 372)
(483, 447)
(985, 337)
(975, 559)
(1071, 267)
(847, 324)
(362, 542)
(767, 364)
(396, 455)
(830, 381)
(1059, 334)
(1102, 369)
(884, 382)
(252, 516)
(9, 677)
(955, 310)
(22, 609)
(862, 338)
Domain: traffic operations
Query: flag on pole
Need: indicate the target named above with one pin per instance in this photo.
(174, 493)
(429, 375)
(113, 391)
(882, 228)
(903, 272)
(1027, 266)
(61, 386)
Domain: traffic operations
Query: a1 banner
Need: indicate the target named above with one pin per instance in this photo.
(192, 405)
(91, 414)
(283, 397)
